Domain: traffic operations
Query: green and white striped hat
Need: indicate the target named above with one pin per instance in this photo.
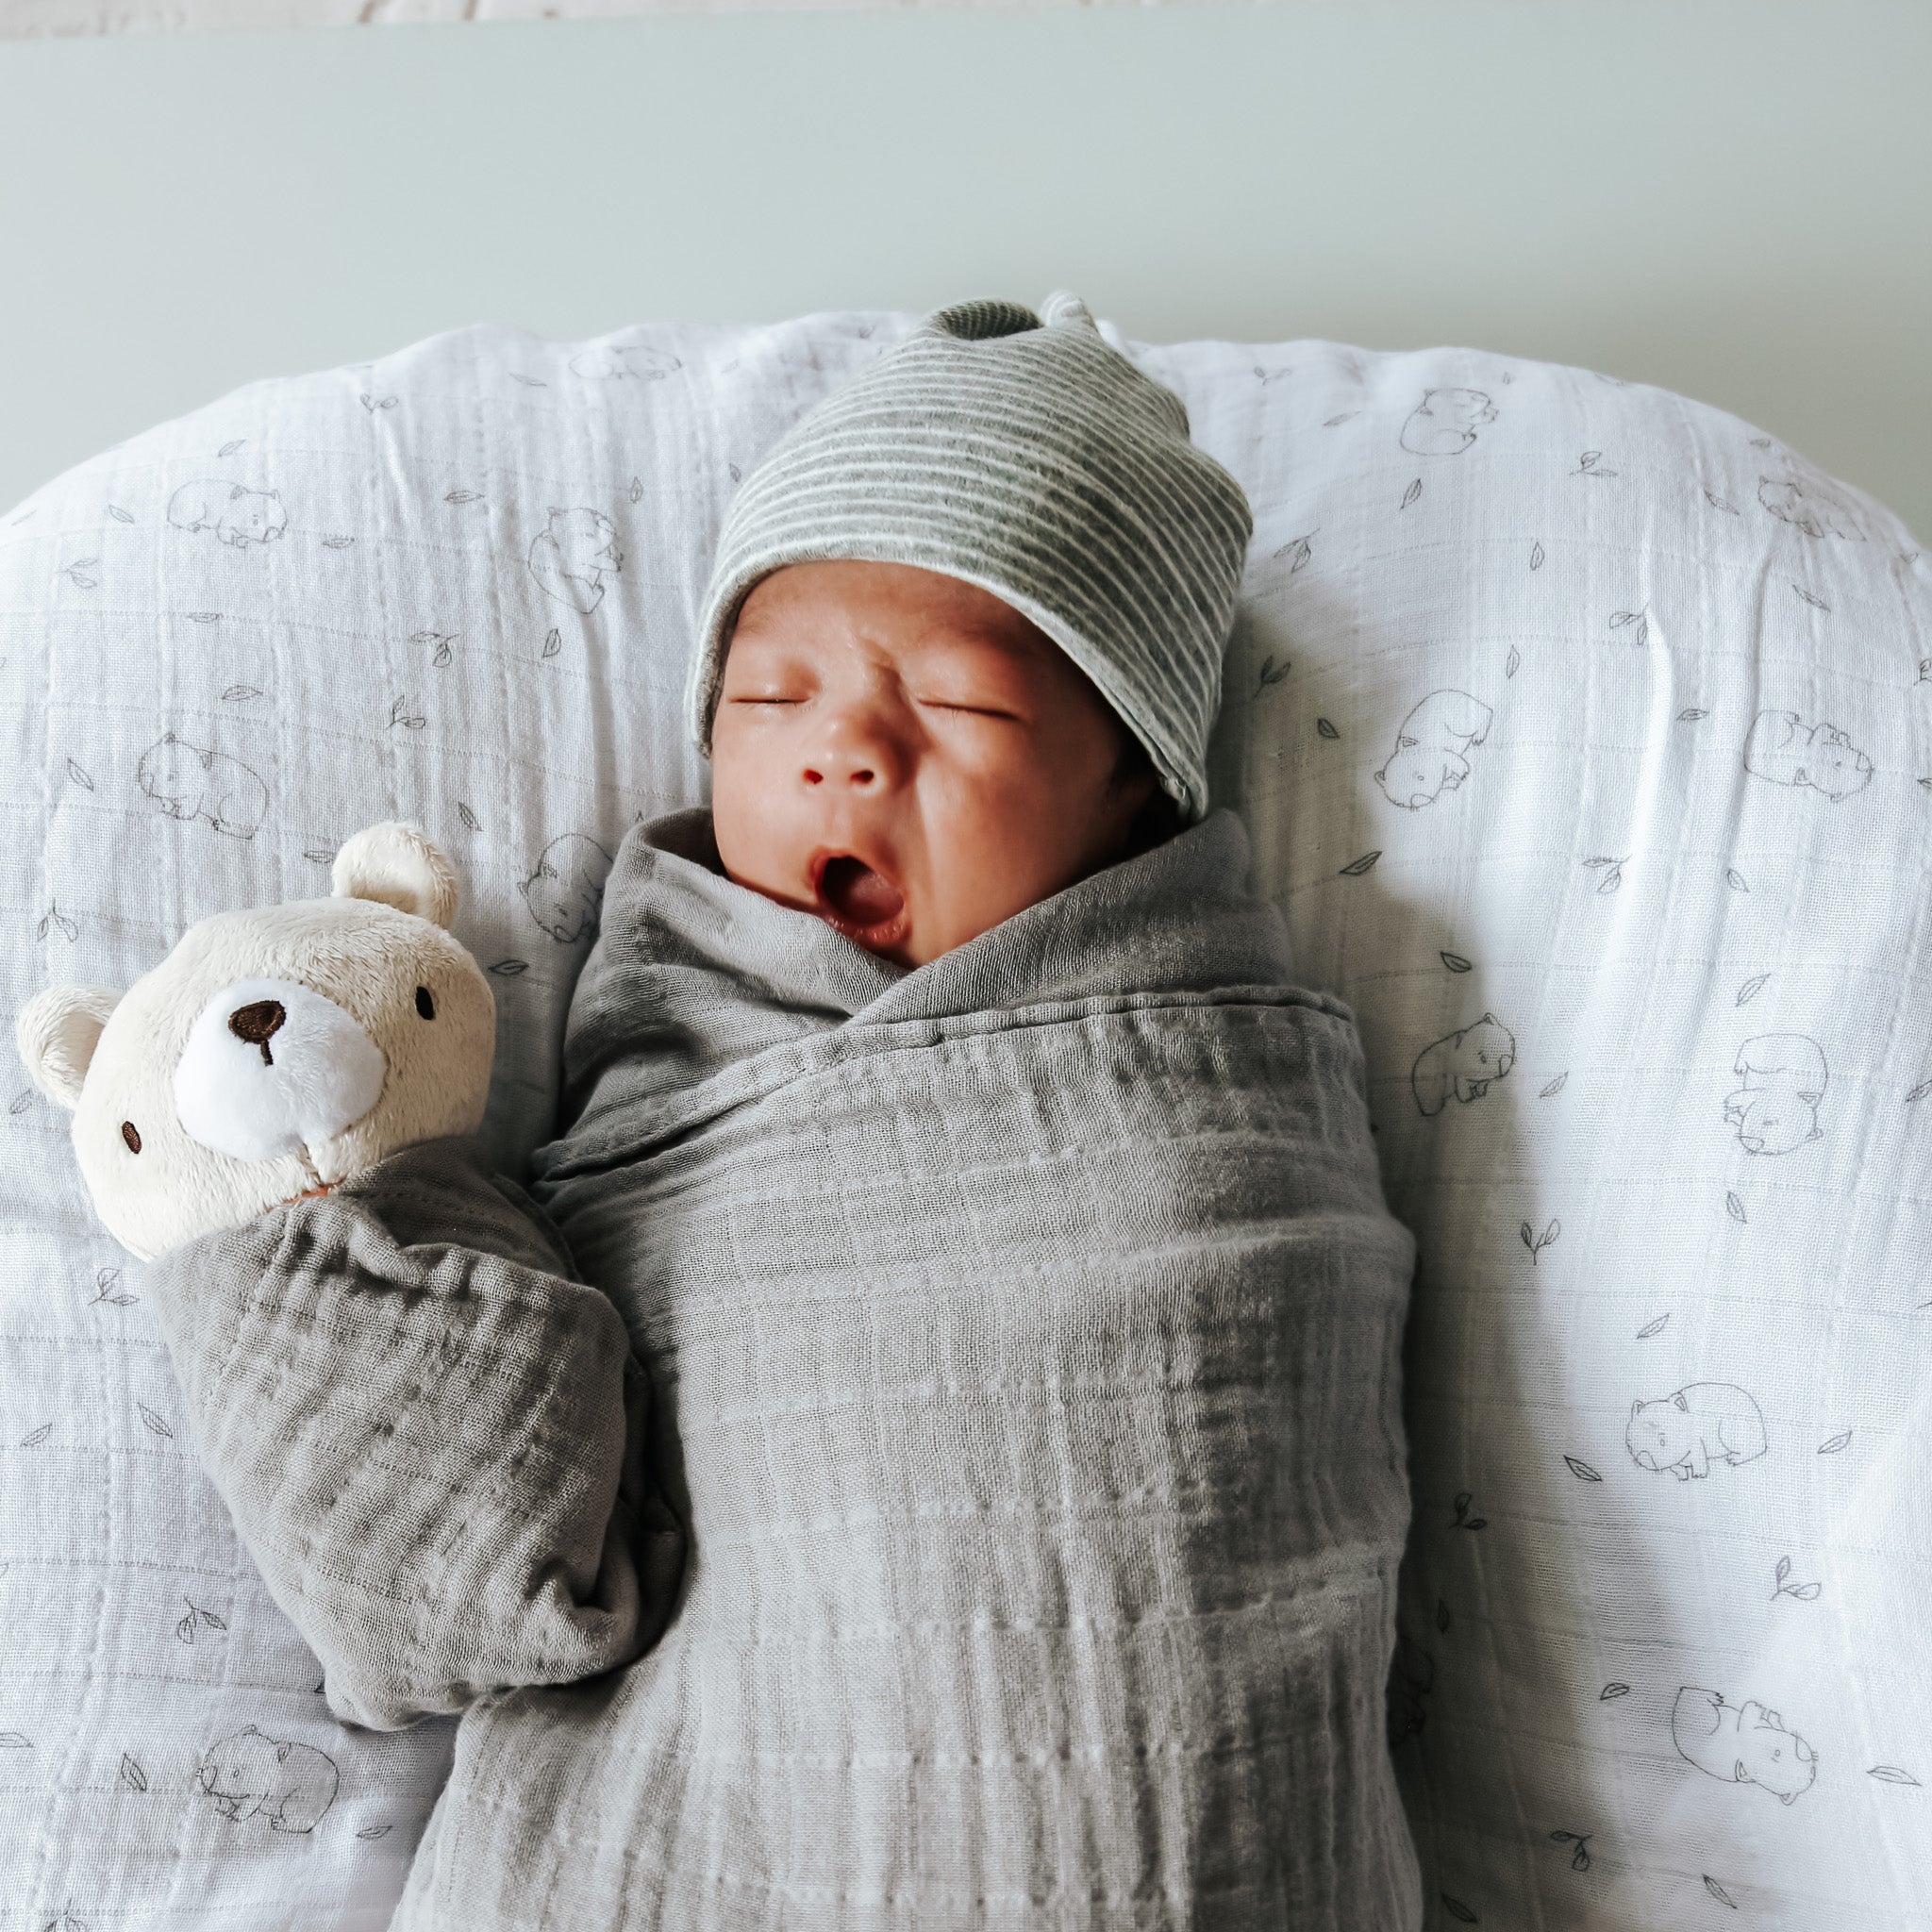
(1023, 454)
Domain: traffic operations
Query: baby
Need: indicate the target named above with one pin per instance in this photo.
(910, 759)
(960, 1294)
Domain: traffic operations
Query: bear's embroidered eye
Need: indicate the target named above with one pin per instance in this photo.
(425, 1005)
(130, 1133)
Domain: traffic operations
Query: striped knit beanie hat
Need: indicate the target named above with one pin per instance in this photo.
(1023, 454)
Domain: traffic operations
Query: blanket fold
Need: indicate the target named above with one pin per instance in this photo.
(429, 1435)
(1024, 1333)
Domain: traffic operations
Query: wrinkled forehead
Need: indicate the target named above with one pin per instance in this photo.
(884, 605)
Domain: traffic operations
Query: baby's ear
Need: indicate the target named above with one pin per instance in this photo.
(396, 865)
(58, 1031)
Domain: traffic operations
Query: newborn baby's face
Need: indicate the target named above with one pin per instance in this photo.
(904, 755)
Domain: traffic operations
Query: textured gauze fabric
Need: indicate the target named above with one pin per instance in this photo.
(1024, 1329)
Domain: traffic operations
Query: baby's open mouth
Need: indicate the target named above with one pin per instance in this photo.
(861, 903)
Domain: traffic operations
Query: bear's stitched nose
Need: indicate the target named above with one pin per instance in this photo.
(257, 1022)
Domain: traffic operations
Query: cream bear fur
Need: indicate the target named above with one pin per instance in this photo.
(385, 1025)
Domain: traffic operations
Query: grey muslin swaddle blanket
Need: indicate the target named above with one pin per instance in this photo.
(1022, 1336)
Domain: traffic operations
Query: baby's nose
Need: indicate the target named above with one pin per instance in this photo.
(856, 752)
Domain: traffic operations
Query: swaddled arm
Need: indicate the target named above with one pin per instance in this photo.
(430, 1436)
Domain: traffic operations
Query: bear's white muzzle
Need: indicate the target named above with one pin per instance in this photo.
(272, 1068)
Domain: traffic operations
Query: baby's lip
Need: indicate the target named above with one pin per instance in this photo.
(886, 932)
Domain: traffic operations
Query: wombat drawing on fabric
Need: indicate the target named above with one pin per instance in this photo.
(189, 783)
(1810, 508)
(1429, 757)
(1787, 751)
(1702, 1423)
(1445, 422)
(632, 359)
(1776, 1108)
(570, 557)
(566, 891)
(1462, 1063)
(291, 1785)
(1742, 1744)
(236, 515)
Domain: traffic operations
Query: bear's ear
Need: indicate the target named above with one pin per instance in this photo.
(236, 492)
(395, 865)
(1636, 1410)
(281, 1752)
(58, 1031)
(1681, 1401)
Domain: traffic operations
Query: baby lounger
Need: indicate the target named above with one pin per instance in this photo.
(1584, 736)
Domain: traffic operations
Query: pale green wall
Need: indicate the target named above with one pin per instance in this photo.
(1730, 197)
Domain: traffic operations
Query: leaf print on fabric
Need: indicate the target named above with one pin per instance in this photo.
(1536, 556)
(1536, 1242)
(1581, 1470)
(1463, 1519)
(1620, 619)
(1891, 1774)
(1458, 1911)
(1610, 1693)
(1325, 729)
(1590, 464)
(1410, 495)
(108, 1289)
(1651, 1328)
(1455, 961)
(1356, 867)
(1734, 1207)
(1718, 1893)
(1555, 1085)
(1580, 1860)
(1835, 1443)
(1803, 1592)
(1296, 551)
(1269, 673)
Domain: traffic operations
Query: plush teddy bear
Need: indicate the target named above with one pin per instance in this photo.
(275, 1052)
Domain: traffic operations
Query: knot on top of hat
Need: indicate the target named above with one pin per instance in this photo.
(987, 318)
